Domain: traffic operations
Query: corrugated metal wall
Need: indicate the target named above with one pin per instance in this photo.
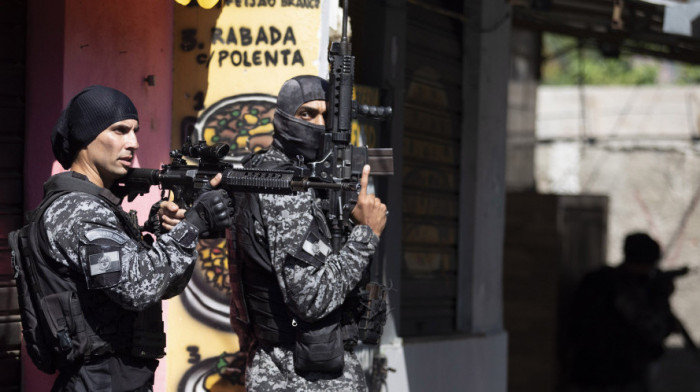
(12, 101)
(433, 118)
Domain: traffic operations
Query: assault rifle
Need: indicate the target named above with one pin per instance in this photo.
(667, 278)
(185, 180)
(342, 162)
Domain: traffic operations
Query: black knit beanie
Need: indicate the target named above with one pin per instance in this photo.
(89, 113)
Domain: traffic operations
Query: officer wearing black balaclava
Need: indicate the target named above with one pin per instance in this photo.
(290, 294)
(299, 118)
(100, 284)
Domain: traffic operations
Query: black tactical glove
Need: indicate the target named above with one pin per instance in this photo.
(152, 225)
(210, 213)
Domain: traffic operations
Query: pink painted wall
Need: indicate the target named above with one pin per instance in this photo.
(75, 43)
(45, 22)
(119, 43)
(72, 44)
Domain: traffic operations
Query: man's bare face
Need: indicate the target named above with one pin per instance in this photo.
(313, 112)
(112, 152)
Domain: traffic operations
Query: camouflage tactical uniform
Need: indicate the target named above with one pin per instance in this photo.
(117, 273)
(310, 292)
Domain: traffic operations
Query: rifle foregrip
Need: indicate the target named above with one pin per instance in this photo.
(277, 182)
(258, 181)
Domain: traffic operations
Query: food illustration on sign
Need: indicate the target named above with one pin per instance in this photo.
(244, 122)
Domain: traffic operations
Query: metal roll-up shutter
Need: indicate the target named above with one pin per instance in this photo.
(433, 121)
(13, 16)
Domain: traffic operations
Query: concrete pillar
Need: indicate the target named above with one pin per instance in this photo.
(476, 360)
(482, 189)
(394, 83)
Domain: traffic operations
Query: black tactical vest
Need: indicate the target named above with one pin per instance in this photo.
(317, 346)
(268, 315)
(64, 323)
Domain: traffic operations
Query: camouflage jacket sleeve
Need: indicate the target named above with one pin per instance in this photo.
(177, 286)
(313, 280)
(85, 235)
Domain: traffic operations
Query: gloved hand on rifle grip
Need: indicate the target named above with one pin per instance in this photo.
(210, 213)
(153, 223)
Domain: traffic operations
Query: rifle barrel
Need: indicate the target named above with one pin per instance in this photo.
(344, 36)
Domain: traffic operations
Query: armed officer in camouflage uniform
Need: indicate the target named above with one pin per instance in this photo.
(621, 317)
(298, 323)
(105, 281)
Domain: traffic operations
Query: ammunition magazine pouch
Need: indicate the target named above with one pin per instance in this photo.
(373, 313)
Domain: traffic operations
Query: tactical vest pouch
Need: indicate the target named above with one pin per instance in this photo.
(53, 326)
(319, 346)
(373, 312)
(67, 326)
(148, 340)
(38, 347)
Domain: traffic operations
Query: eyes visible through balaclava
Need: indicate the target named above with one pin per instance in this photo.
(293, 136)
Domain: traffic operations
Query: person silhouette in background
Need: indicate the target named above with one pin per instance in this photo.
(620, 319)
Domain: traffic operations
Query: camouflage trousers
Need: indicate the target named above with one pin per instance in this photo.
(272, 369)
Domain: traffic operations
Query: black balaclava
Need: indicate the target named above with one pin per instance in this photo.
(89, 113)
(296, 137)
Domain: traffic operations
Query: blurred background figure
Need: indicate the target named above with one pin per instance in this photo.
(620, 319)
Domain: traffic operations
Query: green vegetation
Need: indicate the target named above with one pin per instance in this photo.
(565, 64)
(690, 74)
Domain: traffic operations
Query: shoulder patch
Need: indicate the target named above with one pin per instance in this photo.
(103, 266)
(103, 255)
(107, 234)
(315, 247)
(104, 262)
